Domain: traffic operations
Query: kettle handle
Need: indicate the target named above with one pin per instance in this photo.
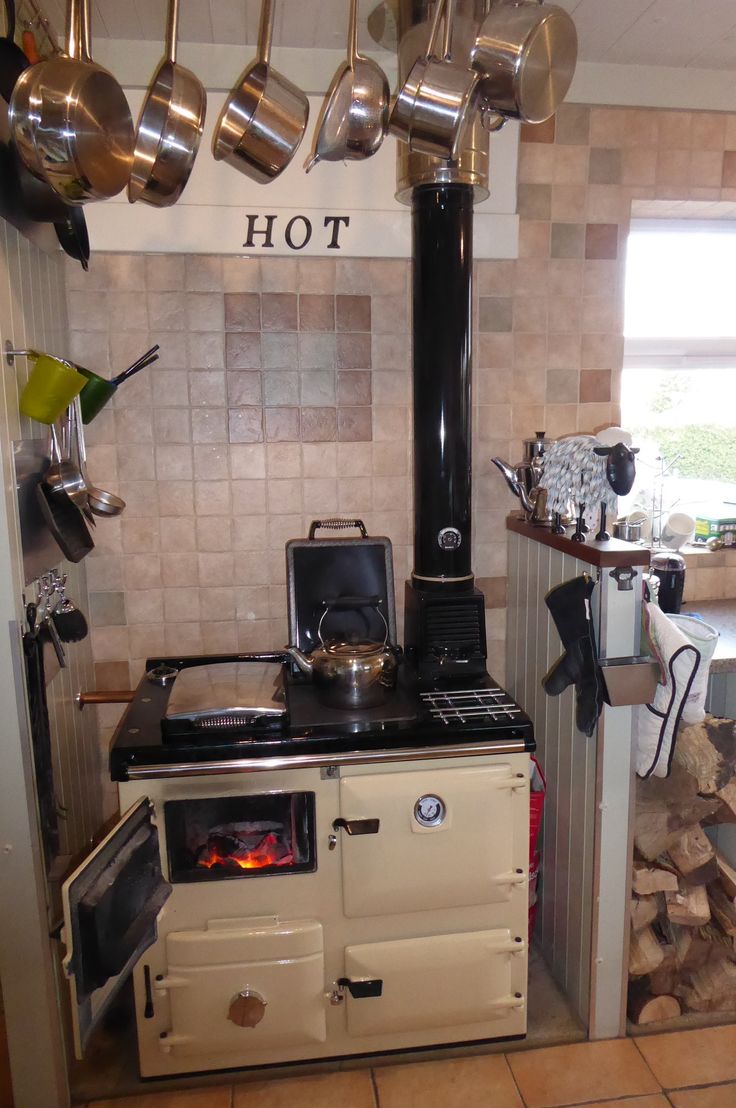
(352, 602)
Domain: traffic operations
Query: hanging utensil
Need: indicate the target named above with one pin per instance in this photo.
(525, 55)
(71, 231)
(101, 502)
(264, 117)
(354, 116)
(71, 122)
(169, 128)
(436, 103)
(98, 390)
(62, 479)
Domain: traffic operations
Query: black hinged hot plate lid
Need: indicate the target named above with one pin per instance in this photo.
(320, 569)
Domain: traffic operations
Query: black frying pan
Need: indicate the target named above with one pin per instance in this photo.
(72, 234)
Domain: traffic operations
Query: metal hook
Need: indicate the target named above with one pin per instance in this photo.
(11, 353)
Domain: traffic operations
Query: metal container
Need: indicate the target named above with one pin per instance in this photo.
(627, 531)
(471, 164)
(169, 128)
(350, 675)
(525, 54)
(434, 106)
(70, 120)
(264, 117)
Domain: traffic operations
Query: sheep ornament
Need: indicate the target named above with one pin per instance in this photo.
(582, 470)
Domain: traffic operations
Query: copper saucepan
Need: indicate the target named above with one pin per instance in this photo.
(264, 117)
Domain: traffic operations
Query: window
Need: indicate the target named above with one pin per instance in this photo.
(678, 395)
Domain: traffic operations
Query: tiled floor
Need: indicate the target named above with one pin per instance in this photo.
(682, 1069)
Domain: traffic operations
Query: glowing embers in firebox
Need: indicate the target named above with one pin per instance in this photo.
(219, 838)
(245, 846)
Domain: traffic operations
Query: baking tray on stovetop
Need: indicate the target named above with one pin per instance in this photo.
(319, 569)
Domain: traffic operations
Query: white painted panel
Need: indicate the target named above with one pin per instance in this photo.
(600, 24)
(673, 32)
(212, 216)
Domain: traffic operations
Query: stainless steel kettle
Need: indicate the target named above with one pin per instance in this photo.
(350, 675)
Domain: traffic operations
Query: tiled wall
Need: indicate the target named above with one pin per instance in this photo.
(33, 314)
(281, 396)
(283, 389)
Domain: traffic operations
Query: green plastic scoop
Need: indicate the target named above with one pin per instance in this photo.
(99, 390)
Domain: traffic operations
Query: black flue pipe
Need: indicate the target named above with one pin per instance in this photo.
(442, 231)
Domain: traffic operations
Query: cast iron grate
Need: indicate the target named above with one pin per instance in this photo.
(472, 706)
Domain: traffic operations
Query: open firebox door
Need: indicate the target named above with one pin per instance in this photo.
(111, 903)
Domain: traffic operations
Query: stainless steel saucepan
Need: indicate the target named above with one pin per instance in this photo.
(436, 103)
(525, 54)
(169, 128)
(71, 122)
(264, 117)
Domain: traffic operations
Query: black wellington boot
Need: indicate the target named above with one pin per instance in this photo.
(569, 605)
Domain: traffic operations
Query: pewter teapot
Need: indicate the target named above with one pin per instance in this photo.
(350, 675)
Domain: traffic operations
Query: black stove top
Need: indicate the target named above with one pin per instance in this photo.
(476, 709)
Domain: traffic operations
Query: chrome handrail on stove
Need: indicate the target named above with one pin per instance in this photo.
(336, 758)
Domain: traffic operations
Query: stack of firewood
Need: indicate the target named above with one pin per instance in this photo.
(683, 909)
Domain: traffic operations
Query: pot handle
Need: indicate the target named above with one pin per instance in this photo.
(336, 525)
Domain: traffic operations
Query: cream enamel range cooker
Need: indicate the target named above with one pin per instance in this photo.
(311, 892)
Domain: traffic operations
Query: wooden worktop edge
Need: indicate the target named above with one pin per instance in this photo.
(612, 554)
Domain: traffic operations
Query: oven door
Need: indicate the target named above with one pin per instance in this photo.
(439, 981)
(432, 839)
(111, 908)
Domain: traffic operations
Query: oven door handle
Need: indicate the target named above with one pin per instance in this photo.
(362, 988)
(357, 826)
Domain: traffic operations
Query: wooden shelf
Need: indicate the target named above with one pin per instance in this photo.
(613, 554)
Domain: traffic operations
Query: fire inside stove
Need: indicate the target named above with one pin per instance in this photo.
(247, 846)
(219, 838)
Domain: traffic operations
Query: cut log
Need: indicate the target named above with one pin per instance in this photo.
(643, 910)
(688, 906)
(727, 875)
(712, 988)
(663, 980)
(691, 950)
(723, 910)
(645, 953)
(707, 751)
(645, 1008)
(727, 797)
(653, 879)
(666, 808)
(693, 852)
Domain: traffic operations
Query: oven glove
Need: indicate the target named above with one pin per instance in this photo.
(569, 604)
